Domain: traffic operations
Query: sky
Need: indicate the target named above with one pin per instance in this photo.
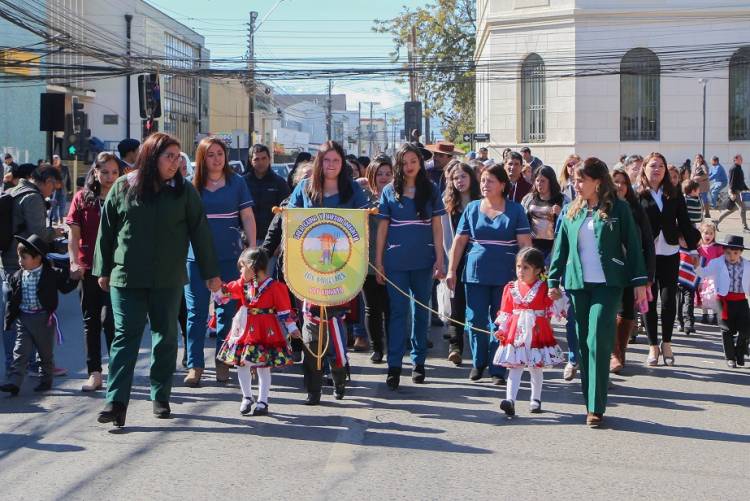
(301, 29)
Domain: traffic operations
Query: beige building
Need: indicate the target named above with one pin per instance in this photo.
(229, 110)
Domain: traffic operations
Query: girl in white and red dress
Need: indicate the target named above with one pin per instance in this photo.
(257, 339)
(524, 330)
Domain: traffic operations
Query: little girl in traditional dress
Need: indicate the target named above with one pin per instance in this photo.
(524, 329)
(258, 337)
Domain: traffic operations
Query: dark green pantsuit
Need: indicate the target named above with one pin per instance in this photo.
(596, 306)
(131, 308)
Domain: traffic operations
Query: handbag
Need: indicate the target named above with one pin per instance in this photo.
(444, 295)
(745, 197)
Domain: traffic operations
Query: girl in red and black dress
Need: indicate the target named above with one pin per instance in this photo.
(257, 339)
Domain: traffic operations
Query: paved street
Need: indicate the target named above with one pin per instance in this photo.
(673, 433)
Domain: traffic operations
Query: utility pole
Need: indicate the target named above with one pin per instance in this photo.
(359, 128)
(412, 45)
(369, 150)
(251, 79)
(128, 32)
(427, 125)
(385, 132)
(704, 83)
(329, 114)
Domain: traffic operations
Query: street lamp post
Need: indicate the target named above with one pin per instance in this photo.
(704, 83)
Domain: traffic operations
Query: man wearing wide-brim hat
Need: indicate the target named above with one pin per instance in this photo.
(442, 153)
(731, 277)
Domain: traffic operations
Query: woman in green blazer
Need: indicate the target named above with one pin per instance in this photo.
(148, 219)
(599, 249)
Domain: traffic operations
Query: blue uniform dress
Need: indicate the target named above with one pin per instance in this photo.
(490, 264)
(222, 209)
(408, 259)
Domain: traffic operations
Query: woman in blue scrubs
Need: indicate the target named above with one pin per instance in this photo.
(409, 234)
(330, 185)
(494, 229)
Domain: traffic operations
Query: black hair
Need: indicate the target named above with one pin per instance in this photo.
(514, 155)
(424, 189)
(27, 250)
(531, 256)
(45, 172)
(260, 148)
(363, 160)
(92, 187)
(256, 258)
(127, 145)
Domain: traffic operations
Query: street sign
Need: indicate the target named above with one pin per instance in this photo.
(481, 137)
(467, 138)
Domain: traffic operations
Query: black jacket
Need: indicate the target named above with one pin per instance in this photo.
(52, 280)
(737, 179)
(267, 192)
(273, 241)
(647, 240)
(673, 221)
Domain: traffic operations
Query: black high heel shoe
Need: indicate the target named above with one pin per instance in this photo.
(113, 412)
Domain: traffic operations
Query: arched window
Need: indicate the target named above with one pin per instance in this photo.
(739, 95)
(532, 99)
(639, 96)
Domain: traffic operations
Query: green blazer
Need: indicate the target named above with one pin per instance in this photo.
(619, 250)
(145, 244)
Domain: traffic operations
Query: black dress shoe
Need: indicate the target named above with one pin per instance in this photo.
(376, 357)
(508, 407)
(338, 391)
(10, 388)
(312, 399)
(259, 409)
(161, 409)
(417, 374)
(394, 377)
(740, 360)
(113, 412)
(41, 387)
(476, 373)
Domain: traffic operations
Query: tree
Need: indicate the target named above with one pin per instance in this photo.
(446, 37)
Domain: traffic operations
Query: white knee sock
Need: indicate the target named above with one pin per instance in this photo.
(513, 383)
(537, 377)
(246, 381)
(264, 383)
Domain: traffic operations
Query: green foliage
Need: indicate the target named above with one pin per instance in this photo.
(446, 37)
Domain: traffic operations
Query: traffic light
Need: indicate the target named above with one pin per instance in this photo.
(412, 118)
(149, 127)
(72, 150)
(149, 95)
(77, 115)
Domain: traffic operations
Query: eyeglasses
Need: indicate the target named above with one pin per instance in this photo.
(170, 156)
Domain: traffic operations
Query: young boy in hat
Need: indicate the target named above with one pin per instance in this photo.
(32, 304)
(731, 277)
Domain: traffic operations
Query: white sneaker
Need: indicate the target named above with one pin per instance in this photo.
(570, 371)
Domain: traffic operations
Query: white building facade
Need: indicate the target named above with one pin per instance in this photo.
(605, 77)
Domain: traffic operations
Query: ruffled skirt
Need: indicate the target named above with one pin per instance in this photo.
(254, 355)
(521, 356)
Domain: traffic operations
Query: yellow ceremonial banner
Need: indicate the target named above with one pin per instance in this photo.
(325, 253)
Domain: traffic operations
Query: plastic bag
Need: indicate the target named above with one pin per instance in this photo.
(444, 295)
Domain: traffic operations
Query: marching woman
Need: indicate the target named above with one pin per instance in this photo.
(542, 207)
(228, 206)
(83, 220)
(148, 219)
(565, 179)
(491, 230)
(409, 253)
(595, 230)
(462, 188)
(626, 316)
(669, 220)
(379, 175)
(330, 185)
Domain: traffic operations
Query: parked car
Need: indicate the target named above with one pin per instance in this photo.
(282, 169)
(237, 166)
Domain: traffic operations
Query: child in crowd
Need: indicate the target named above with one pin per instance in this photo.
(524, 330)
(708, 250)
(257, 339)
(687, 278)
(731, 276)
(31, 304)
(691, 190)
